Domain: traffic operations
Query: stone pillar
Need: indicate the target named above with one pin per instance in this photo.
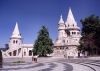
(12, 53)
(27, 52)
(17, 53)
(22, 52)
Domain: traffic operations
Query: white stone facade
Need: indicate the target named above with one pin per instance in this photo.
(16, 46)
(68, 36)
(66, 42)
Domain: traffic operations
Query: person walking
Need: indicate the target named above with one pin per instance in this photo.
(78, 54)
(35, 58)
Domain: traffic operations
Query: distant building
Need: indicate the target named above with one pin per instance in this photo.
(68, 36)
(16, 46)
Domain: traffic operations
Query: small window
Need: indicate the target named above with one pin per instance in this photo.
(78, 33)
(73, 25)
(13, 41)
(68, 25)
(57, 48)
(72, 32)
(63, 41)
(16, 41)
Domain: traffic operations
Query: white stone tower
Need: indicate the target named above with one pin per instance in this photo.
(68, 36)
(71, 27)
(16, 39)
(61, 28)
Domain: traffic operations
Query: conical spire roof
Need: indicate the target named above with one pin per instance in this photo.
(61, 20)
(70, 19)
(16, 33)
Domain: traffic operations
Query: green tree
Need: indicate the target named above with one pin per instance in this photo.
(6, 47)
(0, 56)
(90, 40)
(43, 43)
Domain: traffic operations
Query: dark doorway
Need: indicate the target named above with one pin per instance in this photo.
(30, 53)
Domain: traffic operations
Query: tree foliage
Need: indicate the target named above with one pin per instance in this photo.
(0, 56)
(90, 40)
(43, 43)
(6, 47)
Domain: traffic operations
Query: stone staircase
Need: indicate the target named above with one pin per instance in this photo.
(6, 53)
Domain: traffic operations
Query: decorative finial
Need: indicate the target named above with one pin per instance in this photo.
(61, 16)
(61, 20)
(69, 7)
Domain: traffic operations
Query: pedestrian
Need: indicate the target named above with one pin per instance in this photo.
(35, 58)
(32, 58)
(78, 54)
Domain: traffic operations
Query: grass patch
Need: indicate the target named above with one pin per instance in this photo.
(19, 62)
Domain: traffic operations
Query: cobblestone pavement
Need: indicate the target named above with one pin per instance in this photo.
(52, 64)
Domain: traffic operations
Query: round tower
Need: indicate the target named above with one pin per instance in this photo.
(16, 39)
(61, 28)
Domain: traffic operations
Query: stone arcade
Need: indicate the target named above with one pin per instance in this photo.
(16, 46)
(68, 37)
(65, 44)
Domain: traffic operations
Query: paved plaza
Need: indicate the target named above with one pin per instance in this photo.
(52, 64)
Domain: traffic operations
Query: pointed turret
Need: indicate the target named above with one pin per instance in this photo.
(70, 19)
(16, 33)
(61, 20)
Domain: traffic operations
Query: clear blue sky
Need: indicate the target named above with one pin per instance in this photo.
(32, 14)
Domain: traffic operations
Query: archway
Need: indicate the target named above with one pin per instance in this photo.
(10, 53)
(14, 53)
(24, 53)
(30, 53)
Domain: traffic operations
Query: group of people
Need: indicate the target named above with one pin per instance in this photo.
(34, 58)
(81, 54)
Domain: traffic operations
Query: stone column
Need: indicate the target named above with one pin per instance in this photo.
(12, 53)
(17, 52)
(27, 52)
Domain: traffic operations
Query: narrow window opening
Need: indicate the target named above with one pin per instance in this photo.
(68, 25)
(13, 41)
(16, 41)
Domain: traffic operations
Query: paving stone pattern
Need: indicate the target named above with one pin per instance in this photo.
(53, 64)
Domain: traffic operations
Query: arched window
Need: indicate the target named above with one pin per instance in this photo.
(13, 41)
(73, 25)
(30, 53)
(68, 25)
(24, 53)
(72, 32)
(78, 33)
